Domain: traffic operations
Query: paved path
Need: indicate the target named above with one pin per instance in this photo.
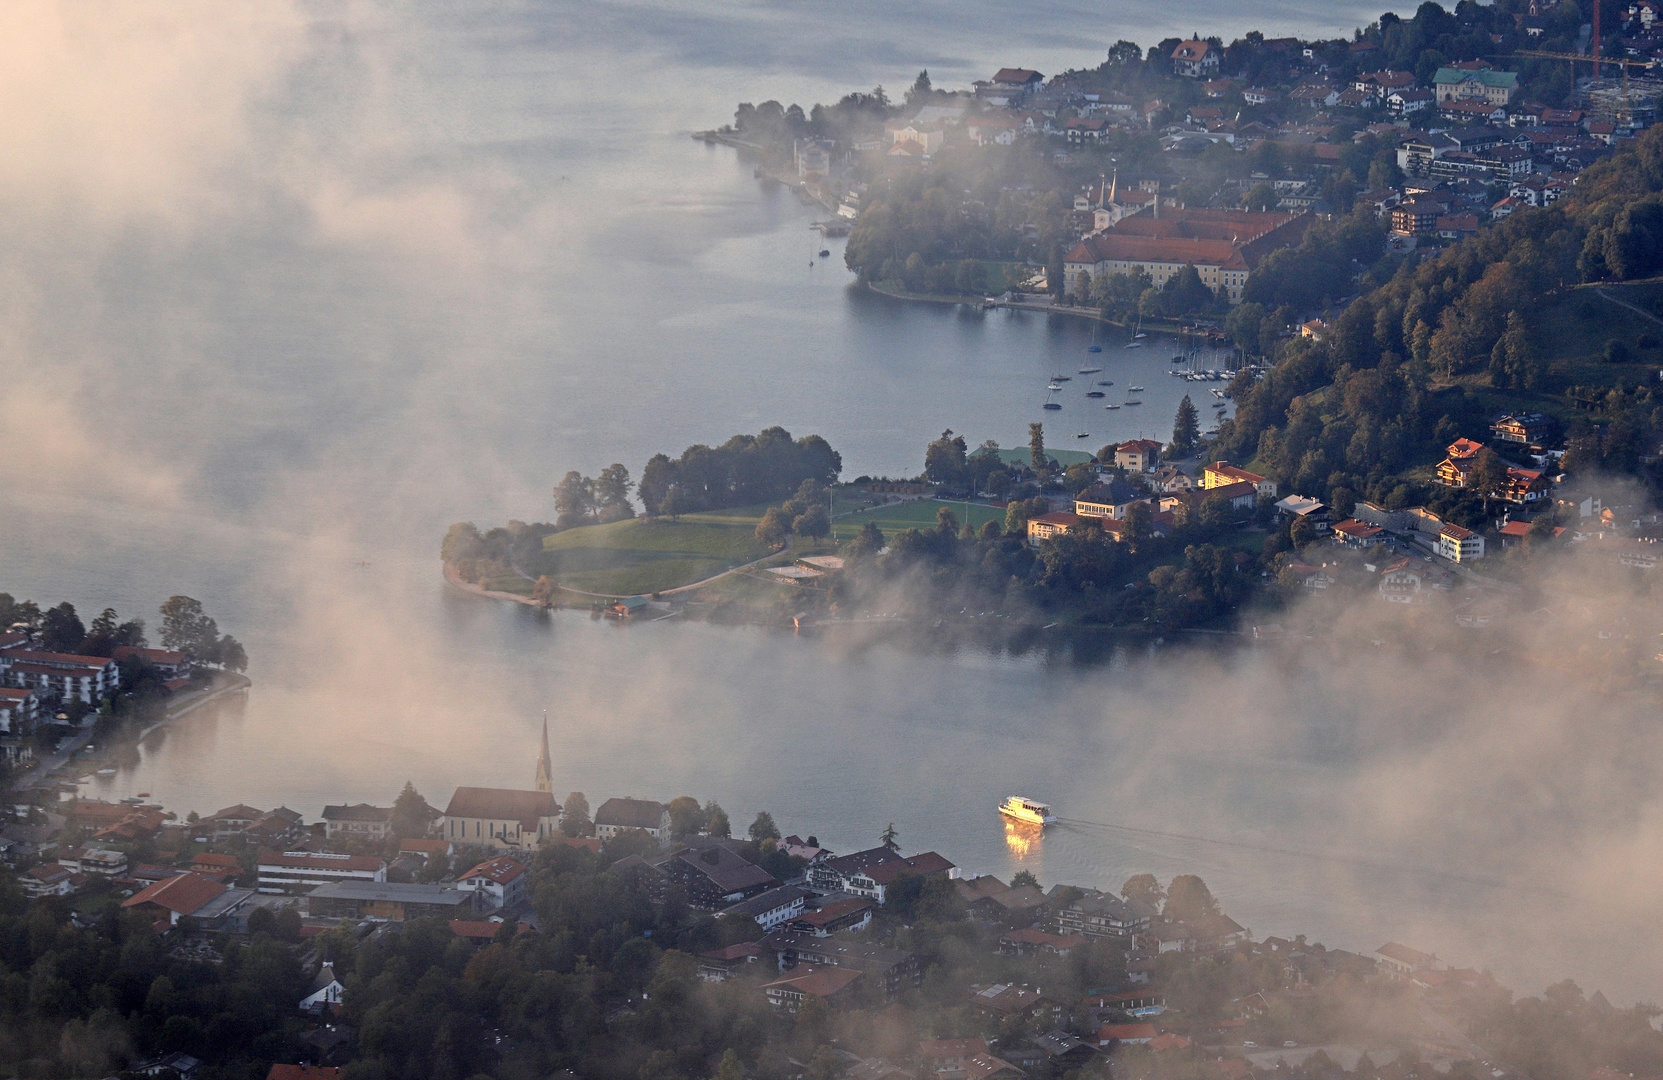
(456, 580)
(1642, 312)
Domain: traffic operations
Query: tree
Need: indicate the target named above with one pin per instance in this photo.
(921, 91)
(891, 837)
(1261, 196)
(1023, 877)
(729, 1068)
(866, 544)
(189, 629)
(813, 523)
(1135, 532)
(675, 503)
(1189, 899)
(574, 816)
(1144, 888)
(1488, 476)
(686, 817)
(612, 489)
(61, 630)
(763, 828)
(1037, 458)
(1186, 428)
(411, 814)
(574, 499)
(945, 459)
(542, 590)
(716, 820)
(774, 528)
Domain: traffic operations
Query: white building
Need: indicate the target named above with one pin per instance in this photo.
(499, 882)
(296, 872)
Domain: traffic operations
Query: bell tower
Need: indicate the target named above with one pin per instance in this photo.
(545, 778)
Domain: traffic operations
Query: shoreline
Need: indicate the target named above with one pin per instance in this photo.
(1165, 325)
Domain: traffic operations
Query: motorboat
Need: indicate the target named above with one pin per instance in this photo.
(825, 253)
(1136, 388)
(1111, 406)
(1052, 405)
(1106, 382)
(1094, 348)
(1089, 370)
(1053, 388)
(1094, 393)
(1134, 403)
(1134, 345)
(1061, 378)
(1082, 435)
(1023, 808)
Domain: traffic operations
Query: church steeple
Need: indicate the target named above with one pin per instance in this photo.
(545, 778)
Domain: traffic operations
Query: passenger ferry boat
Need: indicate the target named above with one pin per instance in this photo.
(1025, 809)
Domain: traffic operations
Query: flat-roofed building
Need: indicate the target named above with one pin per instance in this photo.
(295, 872)
(388, 901)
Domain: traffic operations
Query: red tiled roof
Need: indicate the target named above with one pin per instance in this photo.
(478, 930)
(1125, 1031)
(153, 656)
(96, 662)
(182, 895)
(501, 870)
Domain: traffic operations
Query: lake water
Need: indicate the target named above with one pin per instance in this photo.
(358, 275)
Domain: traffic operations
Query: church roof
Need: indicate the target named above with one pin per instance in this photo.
(502, 804)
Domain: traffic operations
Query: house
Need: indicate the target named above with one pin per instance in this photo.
(773, 907)
(216, 865)
(1302, 506)
(1259, 95)
(500, 817)
(1354, 533)
(630, 606)
(1418, 216)
(1417, 152)
(1109, 500)
(1316, 330)
(1403, 962)
(1486, 84)
(192, 895)
(1523, 428)
(991, 900)
(714, 877)
(51, 879)
(1016, 83)
(276, 828)
(1526, 486)
(869, 873)
(180, 1066)
(388, 901)
(1195, 60)
(296, 872)
(1459, 545)
(1031, 942)
(1002, 1002)
(105, 862)
(18, 709)
(1223, 474)
(1410, 100)
(1308, 577)
(719, 965)
(499, 883)
(360, 821)
(170, 663)
(1401, 581)
(988, 1067)
(326, 990)
(852, 914)
(624, 815)
(831, 985)
(808, 850)
(1055, 523)
(1186, 506)
(945, 1058)
(1096, 914)
(1112, 1035)
(1138, 455)
(227, 823)
(1061, 1052)
(60, 676)
(1171, 479)
(1224, 246)
(890, 969)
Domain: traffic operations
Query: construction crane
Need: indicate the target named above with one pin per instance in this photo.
(1593, 60)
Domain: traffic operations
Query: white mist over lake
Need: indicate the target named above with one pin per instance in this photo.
(290, 288)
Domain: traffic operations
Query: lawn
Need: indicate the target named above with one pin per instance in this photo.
(641, 556)
(915, 514)
(1573, 330)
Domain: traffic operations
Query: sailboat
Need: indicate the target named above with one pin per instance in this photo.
(1137, 333)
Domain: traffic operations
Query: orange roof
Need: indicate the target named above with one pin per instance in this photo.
(1125, 1031)
(1169, 1041)
(223, 862)
(501, 870)
(467, 928)
(182, 895)
(1461, 448)
(820, 982)
(303, 1072)
(1060, 518)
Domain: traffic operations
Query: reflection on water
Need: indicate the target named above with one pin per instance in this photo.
(1023, 839)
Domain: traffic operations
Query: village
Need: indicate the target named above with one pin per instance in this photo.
(1060, 979)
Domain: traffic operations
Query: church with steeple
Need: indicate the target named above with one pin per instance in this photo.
(503, 818)
(545, 779)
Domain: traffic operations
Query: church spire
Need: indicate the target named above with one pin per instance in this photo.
(545, 777)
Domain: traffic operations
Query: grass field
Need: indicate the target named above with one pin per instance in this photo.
(639, 556)
(917, 514)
